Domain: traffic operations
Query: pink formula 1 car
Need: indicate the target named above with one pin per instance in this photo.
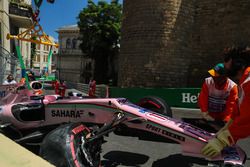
(69, 131)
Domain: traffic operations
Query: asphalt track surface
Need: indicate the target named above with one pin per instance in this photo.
(120, 151)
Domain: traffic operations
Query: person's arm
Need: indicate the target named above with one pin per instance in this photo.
(231, 110)
(203, 98)
(233, 130)
(241, 124)
(203, 103)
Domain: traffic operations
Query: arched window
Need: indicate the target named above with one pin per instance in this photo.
(88, 66)
(68, 43)
(74, 42)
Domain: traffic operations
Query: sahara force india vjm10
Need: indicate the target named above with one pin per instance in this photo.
(69, 131)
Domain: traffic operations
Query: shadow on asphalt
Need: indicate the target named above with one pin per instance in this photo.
(115, 158)
(179, 160)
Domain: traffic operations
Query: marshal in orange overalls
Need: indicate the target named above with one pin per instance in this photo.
(219, 103)
(240, 127)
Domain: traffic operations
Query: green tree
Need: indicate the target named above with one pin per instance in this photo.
(33, 53)
(100, 28)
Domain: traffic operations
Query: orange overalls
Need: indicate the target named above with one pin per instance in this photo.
(219, 103)
(92, 88)
(240, 127)
(60, 88)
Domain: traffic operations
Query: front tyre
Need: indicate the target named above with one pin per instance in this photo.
(67, 146)
(155, 104)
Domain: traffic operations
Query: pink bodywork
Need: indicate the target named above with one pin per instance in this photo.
(100, 111)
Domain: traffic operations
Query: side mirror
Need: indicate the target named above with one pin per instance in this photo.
(36, 86)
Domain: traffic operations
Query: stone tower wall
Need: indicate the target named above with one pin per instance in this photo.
(172, 43)
(218, 24)
(155, 42)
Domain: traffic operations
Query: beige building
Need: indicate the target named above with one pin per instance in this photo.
(40, 61)
(15, 17)
(72, 66)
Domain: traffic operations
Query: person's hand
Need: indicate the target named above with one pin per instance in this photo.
(225, 137)
(213, 148)
(207, 117)
(215, 145)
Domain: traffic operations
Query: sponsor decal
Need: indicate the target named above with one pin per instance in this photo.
(189, 98)
(78, 129)
(122, 100)
(194, 130)
(134, 106)
(23, 108)
(164, 132)
(67, 113)
(230, 153)
(143, 110)
(156, 116)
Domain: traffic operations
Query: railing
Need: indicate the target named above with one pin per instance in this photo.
(70, 51)
(101, 90)
(20, 9)
(7, 61)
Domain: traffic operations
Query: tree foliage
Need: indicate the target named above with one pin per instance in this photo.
(100, 28)
(33, 53)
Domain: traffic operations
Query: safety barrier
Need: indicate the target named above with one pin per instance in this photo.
(101, 90)
(175, 97)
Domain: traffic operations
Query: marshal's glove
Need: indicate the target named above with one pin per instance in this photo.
(215, 145)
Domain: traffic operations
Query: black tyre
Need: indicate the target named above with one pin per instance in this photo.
(155, 104)
(62, 147)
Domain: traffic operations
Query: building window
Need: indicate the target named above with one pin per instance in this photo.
(38, 46)
(74, 42)
(37, 58)
(68, 43)
(45, 58)
(88, 66)
(46, 48)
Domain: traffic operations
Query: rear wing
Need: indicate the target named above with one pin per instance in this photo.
(6, 91)
(19, 92)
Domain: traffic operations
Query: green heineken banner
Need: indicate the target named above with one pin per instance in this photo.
(175, 97)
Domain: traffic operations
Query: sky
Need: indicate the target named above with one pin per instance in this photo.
(61, 13)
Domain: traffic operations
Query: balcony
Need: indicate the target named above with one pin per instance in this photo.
(20, 13)
(69, 51)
